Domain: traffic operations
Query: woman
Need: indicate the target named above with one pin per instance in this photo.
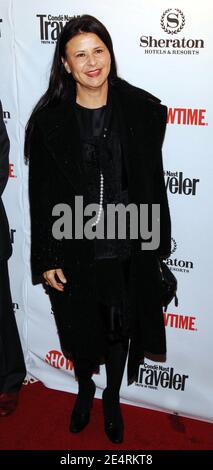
(94, 136)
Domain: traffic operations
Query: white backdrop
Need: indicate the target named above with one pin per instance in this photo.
(165, 48)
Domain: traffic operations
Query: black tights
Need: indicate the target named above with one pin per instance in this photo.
(115, 360)
(115, 365)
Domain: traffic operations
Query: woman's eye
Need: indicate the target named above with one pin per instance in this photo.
(99, 50)
(80, 55)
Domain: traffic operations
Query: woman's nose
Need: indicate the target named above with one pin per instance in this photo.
(91, 59)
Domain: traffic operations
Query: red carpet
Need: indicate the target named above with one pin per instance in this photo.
(42, 418)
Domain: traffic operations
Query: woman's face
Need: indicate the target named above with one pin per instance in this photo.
(88, 59)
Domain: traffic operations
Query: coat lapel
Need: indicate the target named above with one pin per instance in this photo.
(63, 141)
(136, 129)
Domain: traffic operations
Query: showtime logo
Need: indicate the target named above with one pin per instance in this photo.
(12, 171)
(182, 322)
(187, 116)
(57, 360)
(51, 26)
(155, 376)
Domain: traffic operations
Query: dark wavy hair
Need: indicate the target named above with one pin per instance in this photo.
(62, 83)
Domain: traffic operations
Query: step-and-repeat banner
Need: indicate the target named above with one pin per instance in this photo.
(165, 48)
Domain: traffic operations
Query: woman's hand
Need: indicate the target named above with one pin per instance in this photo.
(50, 279)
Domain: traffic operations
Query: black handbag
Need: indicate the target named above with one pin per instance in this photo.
(168, 285)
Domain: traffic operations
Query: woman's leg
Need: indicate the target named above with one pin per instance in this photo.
(118, 349)
(115, 365)
(83, 371)
(118, 341)
(86, 390)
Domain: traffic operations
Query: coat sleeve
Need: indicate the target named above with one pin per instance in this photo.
(46, 251)
(164, 249)
(4, 153)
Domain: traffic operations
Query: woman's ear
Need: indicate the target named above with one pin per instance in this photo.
(65, 64)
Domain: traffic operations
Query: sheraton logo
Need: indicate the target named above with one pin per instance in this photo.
(50, 26)
(156, 376)
(57, 360)
(173, 245)
(180, 265)
(172, 22)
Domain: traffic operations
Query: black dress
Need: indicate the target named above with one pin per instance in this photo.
(102, 151)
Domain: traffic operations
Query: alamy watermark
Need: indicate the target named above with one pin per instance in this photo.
(144, 222)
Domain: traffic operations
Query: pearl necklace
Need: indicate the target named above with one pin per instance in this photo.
(101, 199)
(101, 189)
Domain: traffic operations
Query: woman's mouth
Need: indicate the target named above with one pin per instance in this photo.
(93, 73)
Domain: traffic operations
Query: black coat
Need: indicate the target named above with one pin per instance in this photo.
(5, 243)
(55, 176)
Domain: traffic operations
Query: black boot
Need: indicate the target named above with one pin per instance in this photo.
(115, 364)
(81, 411)
(86, 390)
(113, 420)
